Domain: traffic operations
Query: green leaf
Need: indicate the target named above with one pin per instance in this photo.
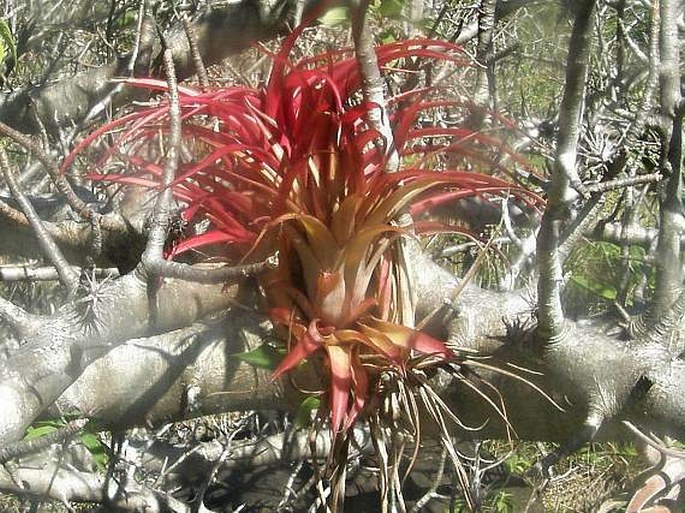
(43, 427)
(391, 8)
(601, 289)
(335, 16)
(262, 357)
(304, 412)
(36, 432)
(95, 447)
(7, 41)
(387, 37)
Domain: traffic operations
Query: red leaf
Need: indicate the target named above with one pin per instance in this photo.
(341, 380)
(308, 343)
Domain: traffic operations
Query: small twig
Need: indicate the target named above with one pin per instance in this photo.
(140, 41)
(13, 215)
(290, 486)
(565, 180)
(227, 450)
(204, 275)
(51, 167)
(437, 481)
(586, 218)
(470, 274)
(466, 246)
(506, 219)
(623, 313)
(200, 68)
(47, 244)
(652, 443)
(42, 131)
(46, 273)
(372, 83)
(668, 272)
(631, 137)
(36, 444)
(642, 57)
(29, 172)
(153, 257)
(622, 183)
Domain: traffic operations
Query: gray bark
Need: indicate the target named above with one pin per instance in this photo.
(146, 356)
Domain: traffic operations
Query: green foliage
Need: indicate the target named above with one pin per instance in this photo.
(502, 503)
(520, 462)
(263, 357)
(7, 42)
(303, 416)
(336, 16)
(382, 9)
(391, 8)
(588, 476)
(534, 75)
(594, 272)
(42, 428)
(127, 19)
(603, 290)
(87, 437)
(96, 449)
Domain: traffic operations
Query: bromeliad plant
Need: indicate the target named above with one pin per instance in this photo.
(294, 168)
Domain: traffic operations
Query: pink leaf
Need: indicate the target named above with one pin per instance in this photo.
(341, 380)
(308, 343)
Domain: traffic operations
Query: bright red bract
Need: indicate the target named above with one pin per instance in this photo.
(295, 168)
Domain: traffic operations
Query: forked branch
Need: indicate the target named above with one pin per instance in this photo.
(565, 181)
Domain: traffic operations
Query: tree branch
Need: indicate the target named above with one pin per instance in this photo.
(67, 486)
(672, 222)
(372, 83)
(47, 244)
(564, 176)
(220, 31)
(58, 348)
